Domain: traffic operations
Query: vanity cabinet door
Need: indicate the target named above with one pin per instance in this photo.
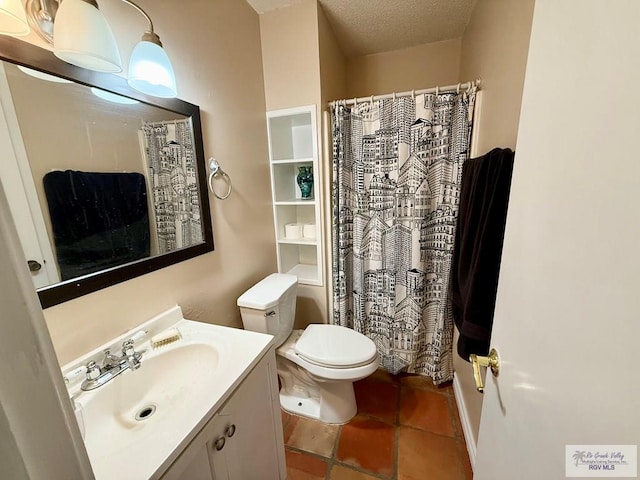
(243, 441)
(197, 469)
(192, 464)
(218, 447)
(253, 447)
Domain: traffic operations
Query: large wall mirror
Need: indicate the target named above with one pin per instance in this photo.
(104, 183)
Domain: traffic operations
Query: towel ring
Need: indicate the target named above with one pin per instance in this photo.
(215, 169)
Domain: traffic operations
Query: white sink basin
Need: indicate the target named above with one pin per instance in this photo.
(160, 393)
(137, 424)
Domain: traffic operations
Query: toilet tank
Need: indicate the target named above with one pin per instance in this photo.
(270, 306)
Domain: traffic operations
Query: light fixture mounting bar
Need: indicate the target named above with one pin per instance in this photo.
(40, 15)
(137, 7)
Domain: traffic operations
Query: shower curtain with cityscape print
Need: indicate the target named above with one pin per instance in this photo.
(397, 167)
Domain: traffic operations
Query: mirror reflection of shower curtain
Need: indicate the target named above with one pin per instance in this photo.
(397, 166)
(169, 151)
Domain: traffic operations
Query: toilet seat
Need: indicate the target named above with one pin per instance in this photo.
(334, 346)
(325, 372)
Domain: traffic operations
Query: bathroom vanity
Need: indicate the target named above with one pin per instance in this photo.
(203, 405)
(241, 441)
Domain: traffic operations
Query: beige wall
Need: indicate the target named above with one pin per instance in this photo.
(494, 49)
(333, 85)
(215, 49)
(333, 64)
(290, 55)
(291, 61)
(410, 68)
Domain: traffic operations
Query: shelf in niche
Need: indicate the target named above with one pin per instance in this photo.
(306, 273)
(298, 241)
(292, 135)
(293, 160)
(295, 201)
(285, 185)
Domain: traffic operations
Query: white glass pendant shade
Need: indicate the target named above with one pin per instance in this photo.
(13, 20)
(82, 37)
(150, 71)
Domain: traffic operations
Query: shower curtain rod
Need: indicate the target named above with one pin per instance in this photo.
(411, 93)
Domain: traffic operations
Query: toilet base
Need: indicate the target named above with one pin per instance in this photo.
(321, 393)
(335, 402)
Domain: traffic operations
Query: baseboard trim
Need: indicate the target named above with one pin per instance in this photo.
(464, 419)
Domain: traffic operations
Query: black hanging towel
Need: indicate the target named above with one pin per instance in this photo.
(99, 220)
(484, 197)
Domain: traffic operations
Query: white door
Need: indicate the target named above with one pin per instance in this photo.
(567, 320)
(16, 179)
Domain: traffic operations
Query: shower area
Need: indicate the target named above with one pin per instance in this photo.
(395, 189)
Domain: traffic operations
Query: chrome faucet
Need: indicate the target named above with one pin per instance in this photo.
(112, 366)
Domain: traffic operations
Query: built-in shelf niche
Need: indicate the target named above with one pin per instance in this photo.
(292, 137)
(286, 188)
(300, 260)
(300, 214)
(293, 144)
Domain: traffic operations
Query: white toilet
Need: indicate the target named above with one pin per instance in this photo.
(318, 365)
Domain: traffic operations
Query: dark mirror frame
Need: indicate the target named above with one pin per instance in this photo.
(28, 55)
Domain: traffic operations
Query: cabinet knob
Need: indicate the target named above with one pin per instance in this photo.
(230, 431)
(219, 443)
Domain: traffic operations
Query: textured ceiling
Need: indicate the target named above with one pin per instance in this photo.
(363, 27)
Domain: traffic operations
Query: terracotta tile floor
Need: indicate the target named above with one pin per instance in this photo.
(406, 429)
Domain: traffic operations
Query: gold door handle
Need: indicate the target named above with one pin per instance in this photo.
(492, 361)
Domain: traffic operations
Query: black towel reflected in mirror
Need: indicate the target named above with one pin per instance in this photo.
(99, 220)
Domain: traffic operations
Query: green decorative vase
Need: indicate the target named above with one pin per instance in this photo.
(305, 181)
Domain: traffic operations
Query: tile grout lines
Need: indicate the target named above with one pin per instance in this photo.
(377, 412)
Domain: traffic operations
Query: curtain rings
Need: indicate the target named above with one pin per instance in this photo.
(458, 89)
(371, 99)
(394, 96)
(355, 101)
(437, 91)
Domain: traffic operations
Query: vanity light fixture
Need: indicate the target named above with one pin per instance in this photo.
(13, 20)
(150, 70)
(81, 36)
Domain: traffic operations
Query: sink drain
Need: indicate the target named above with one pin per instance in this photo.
(145, 412)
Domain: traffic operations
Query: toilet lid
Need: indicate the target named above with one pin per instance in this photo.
(335, 346)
